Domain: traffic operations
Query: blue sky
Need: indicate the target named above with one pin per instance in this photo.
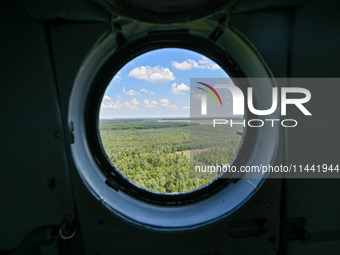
(156, 84)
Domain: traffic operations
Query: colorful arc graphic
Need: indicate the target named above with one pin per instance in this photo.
(208, 93)
(213, 90)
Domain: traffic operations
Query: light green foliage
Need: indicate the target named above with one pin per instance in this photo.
(146, 151)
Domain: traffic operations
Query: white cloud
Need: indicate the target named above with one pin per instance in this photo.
(187, 65)
(203, 63)
(208, 64)
(131, 92)
(164, 102)
(118, 96)
(215, 67)
(153, 102)
(185, 107)
(203, 60)
(132, 105)
(111, 104)
(178, 89)
(117, 77)
(147, 91)
(148, 104)
(152, 74)
(108, 103)
(134, 101)
(173, 107)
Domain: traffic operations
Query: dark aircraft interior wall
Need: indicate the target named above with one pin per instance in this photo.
(42, 50)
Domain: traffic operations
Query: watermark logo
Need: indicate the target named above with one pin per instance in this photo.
(226, 104)
(204, 97)
(238, 99)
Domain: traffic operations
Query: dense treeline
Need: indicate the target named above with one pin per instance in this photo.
(140, 124)
(150, 153)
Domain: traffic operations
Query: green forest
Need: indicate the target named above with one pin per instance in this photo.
(155, 153)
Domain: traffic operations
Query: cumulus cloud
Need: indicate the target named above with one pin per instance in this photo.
(117, 77)
(164, 102)
(118, 96)
(173, 107)
(148, 104)
(203, 63)
(131, 92)
(134, 101)
(187, 65)
(109, 104)
(208, 64)
(146, 91)
(185, 107)
(152, 74)
(132, 105)
(178, 89)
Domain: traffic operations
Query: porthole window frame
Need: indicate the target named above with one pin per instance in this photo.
(122, 56)
(145, 210)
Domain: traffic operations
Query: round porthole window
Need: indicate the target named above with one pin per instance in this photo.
(146, 140)
(133, 134)
(145, 125)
